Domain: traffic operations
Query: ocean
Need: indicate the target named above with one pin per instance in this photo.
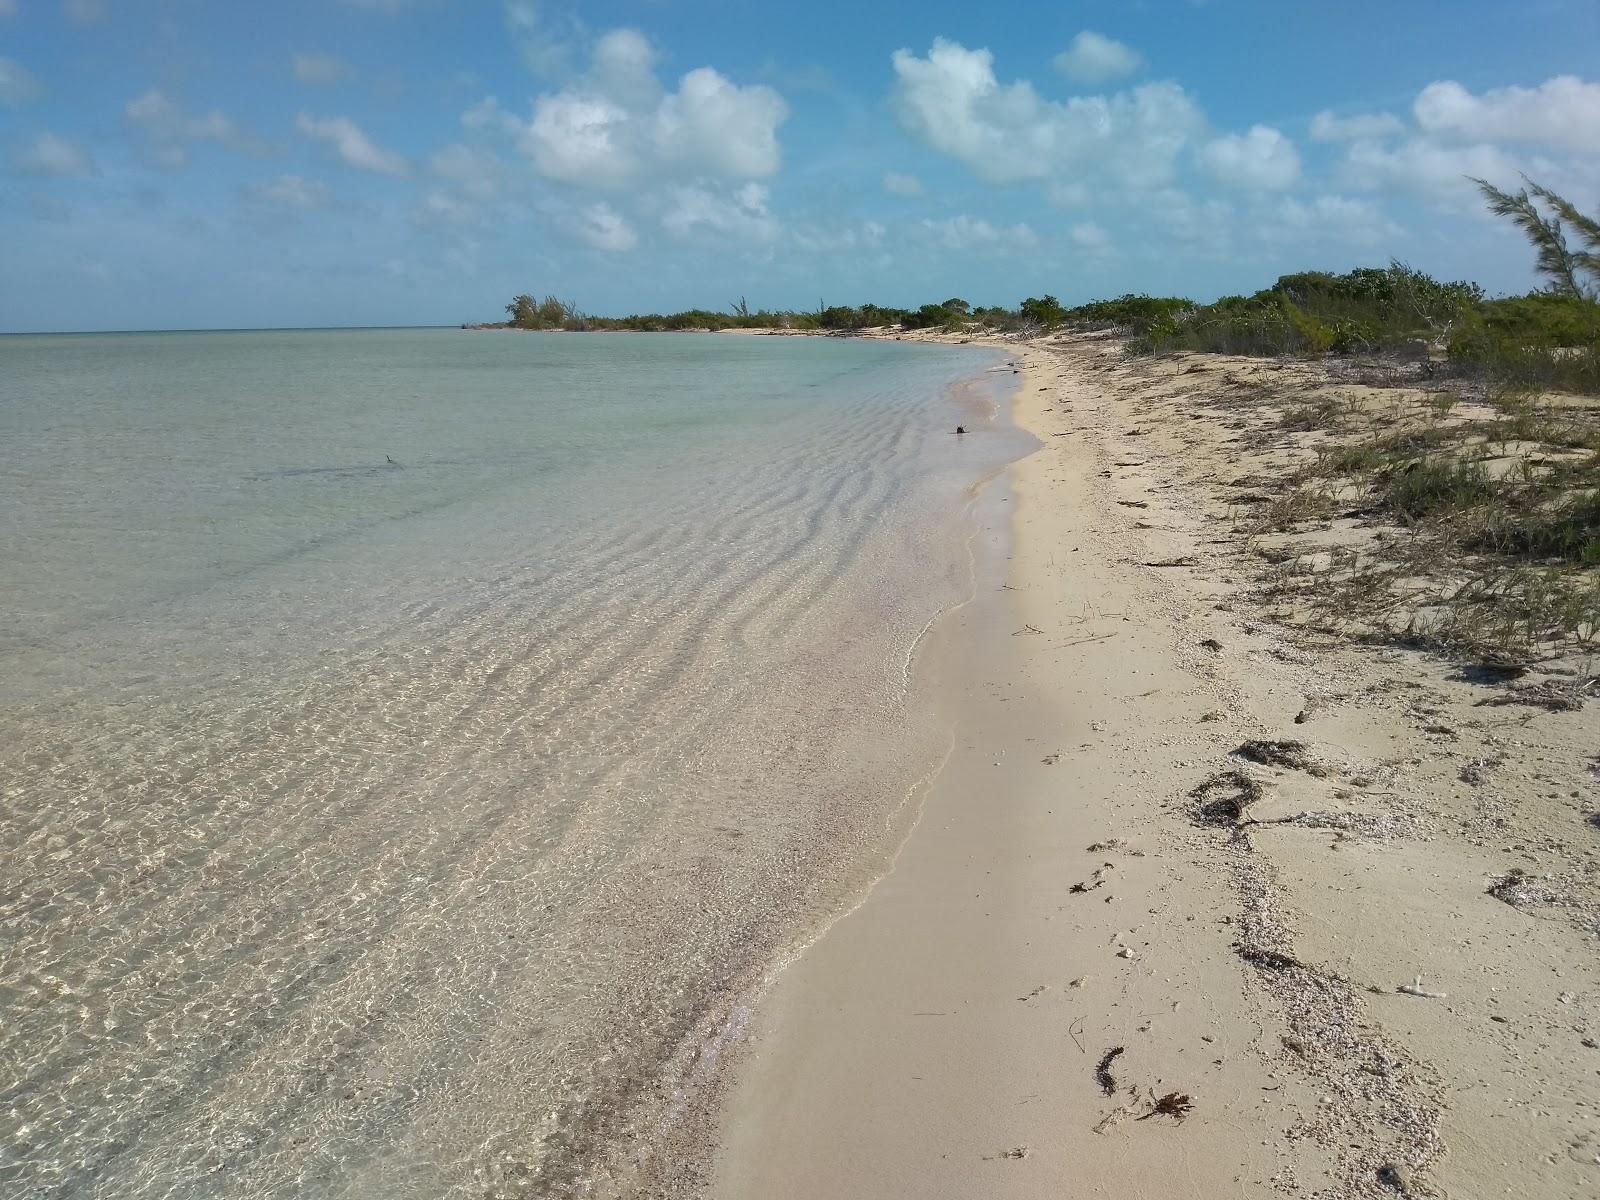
(415, 741)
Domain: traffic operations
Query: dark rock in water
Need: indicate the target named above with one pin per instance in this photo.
(961, 428)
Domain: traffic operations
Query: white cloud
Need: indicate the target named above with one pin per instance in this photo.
(1094, 58)
(1262, 159)
(293, 193)
(866, 237)
(1328, 127)
(898, 184)
(1089, 236)
(1551, 132)
(351, 144)
(1009, 133)
(617, 125)
(971, 233)
(17, 84)
(603, 227)
(743, 216)
(318, 68)
(48, 154)
(1328, 218)
(167, 131)
(1561, 113)
(1439, 172)
(84, 12)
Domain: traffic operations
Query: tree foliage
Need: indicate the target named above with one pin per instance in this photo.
(1568, 272)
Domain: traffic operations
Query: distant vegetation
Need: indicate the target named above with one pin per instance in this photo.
(1549, 338)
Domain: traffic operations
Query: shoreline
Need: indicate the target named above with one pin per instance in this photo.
(1057, 901)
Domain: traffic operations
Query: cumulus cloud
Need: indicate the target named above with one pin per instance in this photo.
(1008, 133)
(973, 233)
(1562, 113)
(603, 227)
(167, 131)
(1440, 172)
(898, 184)
(291, 193)
(744, 215)
(618, 125)
(1093, 58)
(17, 84)
(1334, 219)
(49, 154)
(1327, 127)
(1551, 132)
(1262, 160)
(318, 68)
(351, 143)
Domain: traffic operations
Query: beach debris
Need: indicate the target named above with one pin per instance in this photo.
(1134, 503)
(1393, 1175)
(1051, 760)
(1078, 889)
(1102, 1070)
(1106, 847)
(1125, 952)
(1173, 1104)
(1551, 695)
(1415, 988)
(1038, 991)
(1211, 644)
(1268, 960)
(1014, 1153)
(1223, 799)
(1182, 560)
(1291, 754)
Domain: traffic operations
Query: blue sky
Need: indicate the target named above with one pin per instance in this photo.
(179, 163)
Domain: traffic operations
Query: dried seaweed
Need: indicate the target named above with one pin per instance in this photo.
(1173, 1104)
(1294, 755)
(1102, 1070)
(1223, 799)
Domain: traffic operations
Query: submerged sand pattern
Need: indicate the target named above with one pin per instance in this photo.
(402, 867)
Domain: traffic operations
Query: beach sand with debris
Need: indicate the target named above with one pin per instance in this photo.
(1204, 901)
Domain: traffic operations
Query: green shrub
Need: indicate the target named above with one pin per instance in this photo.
(1430, 487)
(1570, 531)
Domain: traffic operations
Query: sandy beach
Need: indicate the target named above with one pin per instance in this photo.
(1200, 904)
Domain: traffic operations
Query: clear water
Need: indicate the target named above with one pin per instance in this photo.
(408, 738)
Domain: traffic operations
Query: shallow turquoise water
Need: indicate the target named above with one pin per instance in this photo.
(408, 734)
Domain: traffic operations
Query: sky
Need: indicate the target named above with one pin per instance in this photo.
(219, 164)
